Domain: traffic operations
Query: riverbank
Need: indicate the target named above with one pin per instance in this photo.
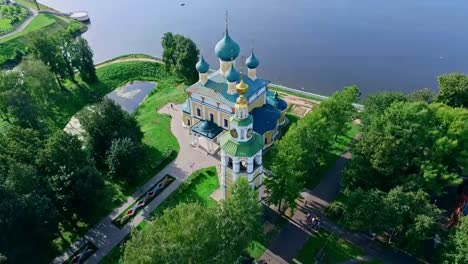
(13, 46)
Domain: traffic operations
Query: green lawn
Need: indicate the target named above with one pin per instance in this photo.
(335, 249)
(17, 42)
(197, 188)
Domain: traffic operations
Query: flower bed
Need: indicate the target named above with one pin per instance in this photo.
(144, 200)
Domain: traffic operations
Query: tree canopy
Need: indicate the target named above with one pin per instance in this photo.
(180, 56)
(105, 122)
(453, 89)
(191, 233)
(456, 247)
(411, 144)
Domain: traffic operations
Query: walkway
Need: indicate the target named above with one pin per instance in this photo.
(106, 235)
(25, 23)
(289, 241)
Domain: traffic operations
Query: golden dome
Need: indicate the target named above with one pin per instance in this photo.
(241, 102)
(242, 87)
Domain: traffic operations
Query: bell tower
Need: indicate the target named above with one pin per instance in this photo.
(241, 147)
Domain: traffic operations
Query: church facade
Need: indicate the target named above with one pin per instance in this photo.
(234, 114)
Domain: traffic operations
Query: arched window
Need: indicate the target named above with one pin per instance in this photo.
(211, 117)
(188, 122)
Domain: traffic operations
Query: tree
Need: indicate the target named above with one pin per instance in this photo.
(377, 104)
(288, 172)
(453, 89)
(16, 104)
(406, 144)
(180, 55)
(29, 223)
(75, 184)
(423, 95)
(185, 234)
(104, 123)
(123, 159)
(191, 233)
(409, 217)
(239, 221)
(45, 48)
(82, 60)
(169, 45)
(38, 80)
(339, 110)
(456, 248)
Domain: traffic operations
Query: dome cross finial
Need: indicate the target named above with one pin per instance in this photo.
(226, 21)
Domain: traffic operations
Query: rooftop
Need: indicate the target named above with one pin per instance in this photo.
(265, 118)
(216, 88)
(207, 129)
(241, 149)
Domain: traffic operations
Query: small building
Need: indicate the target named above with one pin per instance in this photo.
(236, 114)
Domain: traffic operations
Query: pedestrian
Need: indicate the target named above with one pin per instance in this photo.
(172, 106)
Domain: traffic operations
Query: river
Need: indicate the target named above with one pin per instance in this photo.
(316, 45)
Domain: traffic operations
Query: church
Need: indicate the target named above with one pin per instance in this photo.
(235, 114)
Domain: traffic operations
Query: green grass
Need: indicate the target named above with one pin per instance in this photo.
(278, 89)
(5, 25)
(17, 42)
(129, 56)
(336, 249)
(39, 22)
(197, 188)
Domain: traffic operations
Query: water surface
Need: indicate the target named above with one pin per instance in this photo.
(130, 96)
(318, 45)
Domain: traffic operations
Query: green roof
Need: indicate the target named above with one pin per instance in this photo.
(241, 149)
(241, 122)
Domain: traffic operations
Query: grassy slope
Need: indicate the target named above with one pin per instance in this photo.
(159, 142)
(45, 22)
(336, 249)
(197, 188)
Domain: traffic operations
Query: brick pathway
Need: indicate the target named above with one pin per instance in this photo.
(106, 235)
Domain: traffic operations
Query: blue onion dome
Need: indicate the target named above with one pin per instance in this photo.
(227, 49)
(202, 66)
(232, 75)
(252, 61)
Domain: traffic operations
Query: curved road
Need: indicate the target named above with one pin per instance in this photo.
(25, 23)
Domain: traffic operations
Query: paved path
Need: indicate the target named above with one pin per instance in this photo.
(106, 235)
(25, 23)
(289, 241)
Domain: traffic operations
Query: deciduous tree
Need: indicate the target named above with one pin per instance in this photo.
(104, 123)
(180, 55)
(124, 159)
(75, 184)
(453, 89)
